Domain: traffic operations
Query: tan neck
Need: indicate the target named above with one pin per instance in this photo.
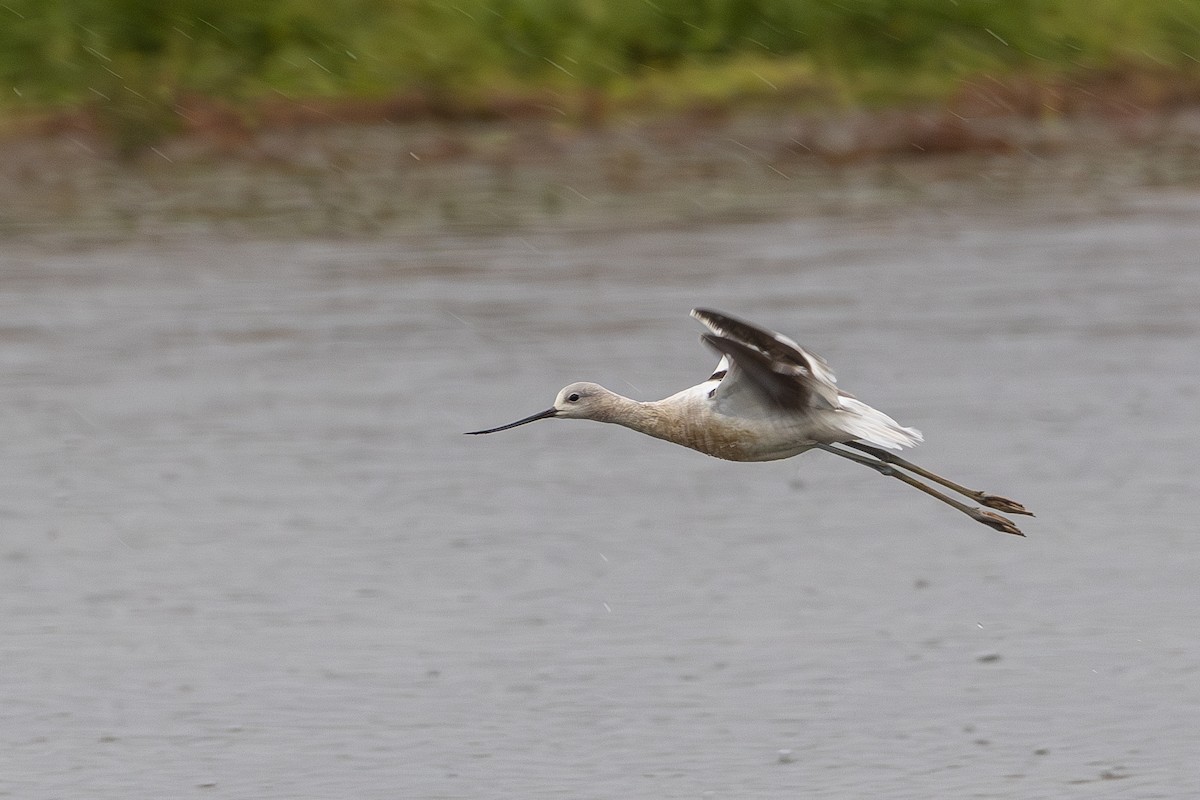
(648, 418)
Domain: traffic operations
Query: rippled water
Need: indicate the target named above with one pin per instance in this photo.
(248, 553)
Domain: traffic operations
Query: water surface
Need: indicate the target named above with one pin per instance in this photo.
(248, 552)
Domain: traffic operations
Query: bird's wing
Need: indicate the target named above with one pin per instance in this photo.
(721, 371)
(782, 371)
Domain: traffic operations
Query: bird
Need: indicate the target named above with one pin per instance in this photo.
(768, 399)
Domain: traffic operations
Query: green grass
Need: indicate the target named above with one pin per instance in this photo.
(129, 61)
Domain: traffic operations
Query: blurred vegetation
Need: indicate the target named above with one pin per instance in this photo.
(130, 61)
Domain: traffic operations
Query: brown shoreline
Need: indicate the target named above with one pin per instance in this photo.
(368, 169)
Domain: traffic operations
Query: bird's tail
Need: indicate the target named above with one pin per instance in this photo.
(875, 427)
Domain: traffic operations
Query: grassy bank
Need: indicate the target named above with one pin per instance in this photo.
(129, 63)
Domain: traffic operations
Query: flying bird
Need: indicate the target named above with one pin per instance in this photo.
(769, 398)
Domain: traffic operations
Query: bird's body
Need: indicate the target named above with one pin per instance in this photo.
(768, 399)
(743, 429)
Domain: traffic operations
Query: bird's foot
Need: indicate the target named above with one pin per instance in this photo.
(1003, 504)
(1002, 524)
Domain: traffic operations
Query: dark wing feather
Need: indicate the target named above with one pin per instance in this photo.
(765, 341)
(786, 373)
(784, 385)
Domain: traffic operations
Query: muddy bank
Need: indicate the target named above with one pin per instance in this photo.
(316, 175)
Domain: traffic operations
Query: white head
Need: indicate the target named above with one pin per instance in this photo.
(580, 400)
(577, 401)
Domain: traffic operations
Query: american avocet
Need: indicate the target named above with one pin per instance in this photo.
(769, 398)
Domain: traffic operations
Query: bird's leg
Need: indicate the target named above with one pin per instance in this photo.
(990, 500)
(996, 521)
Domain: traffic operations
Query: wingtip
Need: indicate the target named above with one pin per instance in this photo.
(715, 321)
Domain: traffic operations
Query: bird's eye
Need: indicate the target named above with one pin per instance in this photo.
(573, 397)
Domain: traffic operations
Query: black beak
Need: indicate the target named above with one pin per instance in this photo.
(547, 414)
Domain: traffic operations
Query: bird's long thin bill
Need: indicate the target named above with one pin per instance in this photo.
(549, 412)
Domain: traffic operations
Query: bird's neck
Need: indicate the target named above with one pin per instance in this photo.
(648, 418)
(683, 420)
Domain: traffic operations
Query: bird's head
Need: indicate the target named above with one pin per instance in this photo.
(576, 401)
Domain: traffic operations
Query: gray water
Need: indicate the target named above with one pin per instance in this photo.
(248, 553)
